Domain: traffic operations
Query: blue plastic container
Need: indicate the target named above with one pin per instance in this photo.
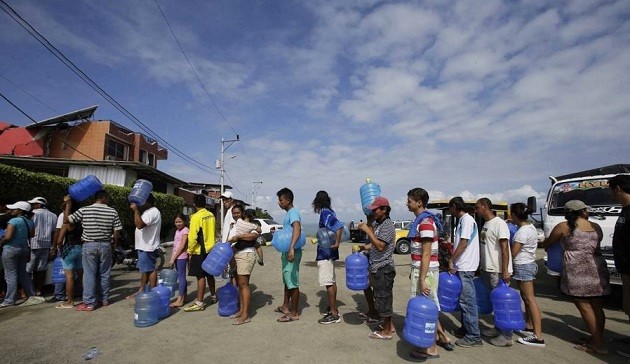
(217, 259)
(368, 192)
(58, 274)
(140, 192)
(228, 300)
(1, 233)
(165, 300)
(325, 237)
(420, 322)
(168, 277)
(84, 188)
(282, 240)
(146, 308)
(555, 257)
(506, 303)
(484, 305)
(357, 274)
(449, 290)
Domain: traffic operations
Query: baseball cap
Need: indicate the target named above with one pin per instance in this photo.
(20, 205)
(575, 205)
(227, 194)
(39, 200)
(378, 202)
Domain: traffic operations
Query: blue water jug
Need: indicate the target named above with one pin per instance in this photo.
(1, 233)
(357, 275)
(165, 300)
(506, 303)
(58, 274)
(420, 322)
(84, 188)
(326, 237)
(369, 191)
(228, 300)
(168, 277)
(217, 259)
(282, 240)
(140, 192)
(555, 257)
(146, 308)
(449, 289)
(484, 305)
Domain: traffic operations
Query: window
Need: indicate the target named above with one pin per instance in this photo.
(147, 158)
(117, 150)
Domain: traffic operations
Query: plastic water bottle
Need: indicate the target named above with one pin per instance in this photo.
(228, 300)
(325, 237)
(58, 274)
(420, 322)
(484, 305)
(449, 290)
(555, 257)
(92, 353)
(168, 277)
(282, 240)
(357, 275)
(506, 303)
(146, 308)
(368, 192)
(217, 259)
(140, 192)
(84, 188)
(165, 300)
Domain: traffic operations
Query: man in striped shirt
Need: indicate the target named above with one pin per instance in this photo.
(101, 228)
(45, 222)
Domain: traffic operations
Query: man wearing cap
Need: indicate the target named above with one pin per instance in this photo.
(381, 235)
(45, 223)
(148, 222)
(228, 202)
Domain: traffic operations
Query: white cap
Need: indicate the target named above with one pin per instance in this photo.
(39, 200)
(20, 205)
(227, 194)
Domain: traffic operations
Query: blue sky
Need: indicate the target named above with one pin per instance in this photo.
(470, 98)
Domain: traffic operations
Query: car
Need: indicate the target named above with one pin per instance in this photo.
(267, 227)
(403, 245)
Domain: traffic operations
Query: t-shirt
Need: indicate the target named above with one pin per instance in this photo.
(528, 237)
(492, 231)
(293, 215)
(21, 228)
(204, 220)
(45, 223)
(99, 222)
(468, 261)
(227, 223)
(148, 238)
(328, 220)
(621, 241)
(386, 233)
(425, 229)
(178, 242)
(242, 227)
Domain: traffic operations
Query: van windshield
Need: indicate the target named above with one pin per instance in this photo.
(593, 192)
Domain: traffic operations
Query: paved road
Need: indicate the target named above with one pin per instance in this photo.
(44, 334)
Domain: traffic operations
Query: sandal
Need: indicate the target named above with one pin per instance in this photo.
(213, 299)
(64, 305)
(446, 345)
(286, 318)
(241, 322)
(280, 309)
(194, 307)
(588, 348)
(377, 335)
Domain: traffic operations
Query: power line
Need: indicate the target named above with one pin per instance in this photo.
(76, 70)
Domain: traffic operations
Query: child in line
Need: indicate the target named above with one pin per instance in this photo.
(180, 256)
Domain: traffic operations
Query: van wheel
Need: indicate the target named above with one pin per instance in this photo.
(403, 246)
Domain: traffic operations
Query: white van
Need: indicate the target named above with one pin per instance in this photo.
(591, 187)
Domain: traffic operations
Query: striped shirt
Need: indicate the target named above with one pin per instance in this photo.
(99, 221)
(386, 233)
(45, 223)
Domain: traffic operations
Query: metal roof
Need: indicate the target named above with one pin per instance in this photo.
(82, 114)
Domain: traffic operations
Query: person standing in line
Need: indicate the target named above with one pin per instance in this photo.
(68, 242)
(45, 223)
(425, 267)
(200, 242)
(496, 260)
(227, 198)
(465, 261)
(148, 222)
(291, 259)
(326, 256)
(180, 255)
(620, 187)
(101, 230)
(59, 293)
(381, 235)
(525, 269)
(584, 277)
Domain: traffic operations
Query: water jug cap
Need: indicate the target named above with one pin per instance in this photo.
(368, 180)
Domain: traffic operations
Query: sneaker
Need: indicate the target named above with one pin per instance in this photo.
(526, 332)
(328, 312)
(34, 300)
(3, 305)
(103, 304)
(193, 307)
(330, 319)
(85, 307)
(532, 340)
(468, 343)
(493, 332)
(501, 341)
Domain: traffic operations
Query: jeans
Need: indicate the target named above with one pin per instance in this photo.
(60, 291)
(468, 303)
(14, 260)
(97, 268)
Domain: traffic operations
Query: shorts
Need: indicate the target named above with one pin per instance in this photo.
(382, 286)
(73, 259)
(194, 269)
(432, 280)
(326, 273)
(245, 261)
(39, 260)
(525, 272)
(291, 270)
(147, 260)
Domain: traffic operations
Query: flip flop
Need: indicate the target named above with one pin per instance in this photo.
(64, 305)
(239, 322)
(423, 356)
(591, 349)
(235, 316)
(286, 318)
(448, 346)
(279, 310)
(377, 335)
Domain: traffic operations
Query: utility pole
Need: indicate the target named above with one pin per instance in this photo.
(255, 185)
(222, 168)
